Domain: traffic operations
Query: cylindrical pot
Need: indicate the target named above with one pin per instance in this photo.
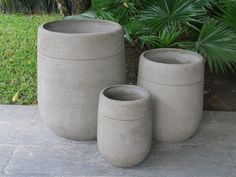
(76, 60)
(124, 125)
(175, 79)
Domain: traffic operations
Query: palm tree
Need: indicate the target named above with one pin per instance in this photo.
(205, 26)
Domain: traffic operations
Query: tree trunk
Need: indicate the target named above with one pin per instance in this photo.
(62, 7)
(79, 6)
(73, 7)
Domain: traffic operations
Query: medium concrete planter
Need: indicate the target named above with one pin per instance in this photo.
(175, 79)
(76, 60)
(124, 125)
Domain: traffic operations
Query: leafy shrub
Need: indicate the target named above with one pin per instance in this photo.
(204, 26)
(27, 6)
(7, 6)
(49, 6)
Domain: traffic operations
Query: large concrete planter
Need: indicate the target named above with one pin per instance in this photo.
(124, 125)
(76, 60)
(175, 79)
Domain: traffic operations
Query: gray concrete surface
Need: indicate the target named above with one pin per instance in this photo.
(29, 149)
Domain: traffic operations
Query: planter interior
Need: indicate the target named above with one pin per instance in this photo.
(172, 56)
(125, 93)
(81, 26)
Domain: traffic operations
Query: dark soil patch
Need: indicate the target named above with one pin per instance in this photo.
(220, 91)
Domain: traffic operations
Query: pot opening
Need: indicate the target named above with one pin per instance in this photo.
(81, 26)
(125, 93)
(172, 56)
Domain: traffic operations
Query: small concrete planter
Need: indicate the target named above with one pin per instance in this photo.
(76, 60)
(124, 125)
(175, 79)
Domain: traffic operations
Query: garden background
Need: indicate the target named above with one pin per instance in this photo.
(205, 26)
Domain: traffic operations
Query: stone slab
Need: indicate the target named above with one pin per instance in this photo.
(29, 134)
(214, 131)
(29, 149)
(6, 153)
(75, 159)
(232, 153)
(9, 113)
(83, 159)
(224, 119)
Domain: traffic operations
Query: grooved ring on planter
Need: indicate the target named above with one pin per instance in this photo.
(80, 39)
(171, 67)
(124, 125)
(175, 79)
(75, 62)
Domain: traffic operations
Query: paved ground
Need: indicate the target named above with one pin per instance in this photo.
(29, 149)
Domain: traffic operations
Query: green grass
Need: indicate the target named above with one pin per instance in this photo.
(18, 53)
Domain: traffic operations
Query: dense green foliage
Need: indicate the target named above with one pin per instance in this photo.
(8, 6)
(64, 7)
(204, 26)
(28, 6)
(18, 35)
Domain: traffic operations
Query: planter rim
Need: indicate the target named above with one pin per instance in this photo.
(142, 92)
(116, 27)
(199, 58)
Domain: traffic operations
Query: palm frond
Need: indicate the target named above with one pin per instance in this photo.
(206, 3)
(150, 40)
(133, 27)
(164, 23)
(217, 44)
(132, 30)
(228, 13)
(122, 10)
(171, 13)
(100, 4)
(136, 34)
(168, 38)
